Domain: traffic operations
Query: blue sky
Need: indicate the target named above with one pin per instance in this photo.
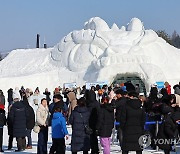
(21, 20)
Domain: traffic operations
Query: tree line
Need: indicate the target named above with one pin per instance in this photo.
(173, 40)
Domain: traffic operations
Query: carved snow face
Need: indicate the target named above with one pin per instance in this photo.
(129, 49)
(95, 43)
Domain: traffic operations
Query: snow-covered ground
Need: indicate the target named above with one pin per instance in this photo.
(114, 148)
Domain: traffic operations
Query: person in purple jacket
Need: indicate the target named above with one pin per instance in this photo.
(59, 132)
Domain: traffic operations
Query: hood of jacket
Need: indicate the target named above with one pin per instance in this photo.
(81, 109)
(57, 115)
(19, 104)
(108, 107)
(135, 103)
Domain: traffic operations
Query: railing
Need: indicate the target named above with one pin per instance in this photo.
(146, 123)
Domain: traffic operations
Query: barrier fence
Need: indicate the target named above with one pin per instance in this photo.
(146, 123)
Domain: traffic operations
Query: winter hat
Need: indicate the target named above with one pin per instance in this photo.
(16, 94)
(2, 106)
(122, 84)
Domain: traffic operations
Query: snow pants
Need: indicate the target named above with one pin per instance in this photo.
(42, 141)
(105, 143)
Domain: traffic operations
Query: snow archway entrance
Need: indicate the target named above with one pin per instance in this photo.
(134, 79)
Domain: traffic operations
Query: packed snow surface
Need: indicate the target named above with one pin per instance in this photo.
(114, 148)
(94, 53)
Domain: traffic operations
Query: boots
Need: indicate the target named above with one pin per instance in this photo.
(29, 147)
(1, 150)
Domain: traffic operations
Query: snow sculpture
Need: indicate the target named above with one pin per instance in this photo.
(98, 48)
(95, 53)
(135, 25)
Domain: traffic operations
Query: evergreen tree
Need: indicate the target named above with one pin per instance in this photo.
(174, 35)
(175, 40)
(1, 57)
(164, 35)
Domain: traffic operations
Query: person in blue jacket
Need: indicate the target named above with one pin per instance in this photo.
(59, 132)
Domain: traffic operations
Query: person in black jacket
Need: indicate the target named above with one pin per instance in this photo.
(129, 86)
(119, 102)
(78, 119)
(105, 124)
(30, 121)
(57, 102)
(132, 123)
(93, 106)
(2, 123)
(10, 96)
(168, 129)
(18, 115)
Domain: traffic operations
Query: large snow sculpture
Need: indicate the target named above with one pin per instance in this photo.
(131, 49)
(94, 53)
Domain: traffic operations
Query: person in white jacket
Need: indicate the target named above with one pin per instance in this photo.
(42, 118)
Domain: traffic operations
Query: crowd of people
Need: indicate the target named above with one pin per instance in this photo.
(92, 114)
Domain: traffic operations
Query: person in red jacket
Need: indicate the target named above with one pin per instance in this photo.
(168, 87)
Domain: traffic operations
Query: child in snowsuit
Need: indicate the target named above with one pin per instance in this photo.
(59, 131)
